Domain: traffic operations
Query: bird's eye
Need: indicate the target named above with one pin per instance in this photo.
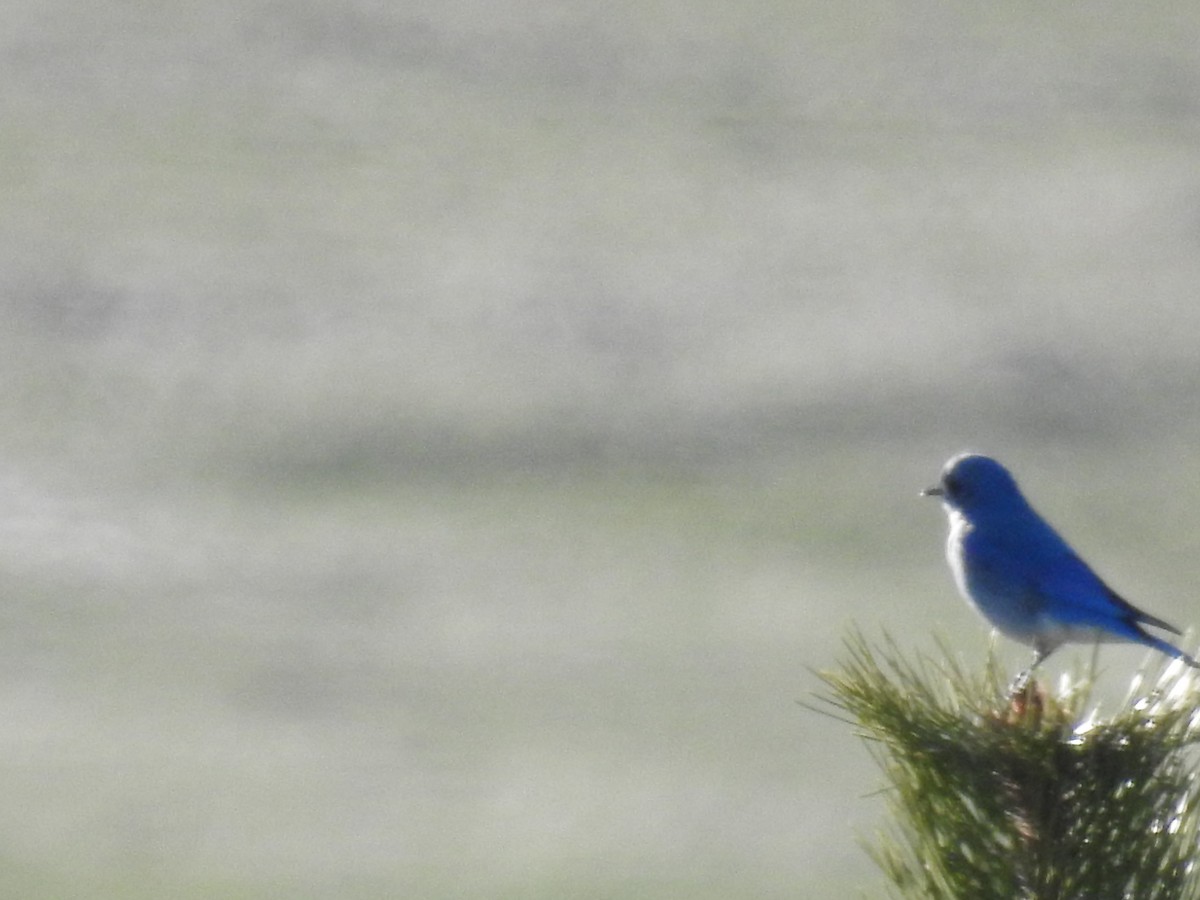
(951, 485)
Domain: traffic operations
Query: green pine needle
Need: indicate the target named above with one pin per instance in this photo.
(1026, 795)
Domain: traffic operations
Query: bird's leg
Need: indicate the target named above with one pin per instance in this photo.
(1040, 652)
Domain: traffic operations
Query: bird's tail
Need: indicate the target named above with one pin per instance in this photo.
(1170, 649)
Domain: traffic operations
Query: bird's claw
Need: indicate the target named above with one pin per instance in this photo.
(1020, 682)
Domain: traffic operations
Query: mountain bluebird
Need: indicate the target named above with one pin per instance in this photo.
(1022, 577)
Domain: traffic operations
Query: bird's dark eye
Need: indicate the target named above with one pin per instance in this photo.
(951, 485)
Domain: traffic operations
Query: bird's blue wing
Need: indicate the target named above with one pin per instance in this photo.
(1075, 593)
(1138, 615)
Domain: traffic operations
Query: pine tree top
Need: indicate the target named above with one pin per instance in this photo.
(1027, 794)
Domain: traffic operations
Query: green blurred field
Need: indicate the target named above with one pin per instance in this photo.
(440, 442)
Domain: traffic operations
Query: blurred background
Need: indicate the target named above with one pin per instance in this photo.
(440, 442)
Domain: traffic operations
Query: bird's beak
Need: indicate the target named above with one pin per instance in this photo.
(932, 492)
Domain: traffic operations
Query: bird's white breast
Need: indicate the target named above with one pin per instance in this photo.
(959, 529)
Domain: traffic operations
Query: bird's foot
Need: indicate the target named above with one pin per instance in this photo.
(1020, 683)
(1026, 702)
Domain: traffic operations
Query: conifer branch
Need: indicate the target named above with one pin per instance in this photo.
(1029, 795)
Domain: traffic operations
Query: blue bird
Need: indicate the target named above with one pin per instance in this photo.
(1021, 576)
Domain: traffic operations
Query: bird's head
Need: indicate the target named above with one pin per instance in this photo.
(972, 482)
